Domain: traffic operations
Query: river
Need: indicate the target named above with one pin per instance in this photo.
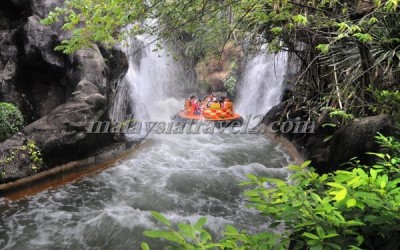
(182, 176)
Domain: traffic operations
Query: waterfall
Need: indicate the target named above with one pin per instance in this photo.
(262, 83)
(154, 80)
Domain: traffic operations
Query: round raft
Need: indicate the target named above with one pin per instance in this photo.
(220, 112)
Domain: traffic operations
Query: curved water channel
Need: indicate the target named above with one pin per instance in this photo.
(182, 176)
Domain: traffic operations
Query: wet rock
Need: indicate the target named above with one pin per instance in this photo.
(357, 138)
(275, 113)
(42, 71)
(117, 66)
(116, 62)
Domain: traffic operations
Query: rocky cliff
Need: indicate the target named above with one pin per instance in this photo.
(59, 95)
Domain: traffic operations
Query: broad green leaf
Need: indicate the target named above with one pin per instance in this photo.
(205, 237)
(305, 164)
(351, 203)
(330, 236)
(310, 236)
(200, 223)
(161, 218)
(336, 185)
(340, 195)
(145, 246)
(231, 230)
(373, 173)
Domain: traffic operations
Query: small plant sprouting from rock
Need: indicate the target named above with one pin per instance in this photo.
(31, 148)
(35, 155)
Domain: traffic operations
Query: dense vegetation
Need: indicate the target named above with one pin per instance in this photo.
(11, 120)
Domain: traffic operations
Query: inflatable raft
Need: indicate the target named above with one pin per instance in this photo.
(220, 112)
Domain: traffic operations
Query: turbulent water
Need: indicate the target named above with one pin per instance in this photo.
(183, 176)
(262, 83)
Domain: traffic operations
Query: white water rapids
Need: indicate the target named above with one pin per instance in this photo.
(182, 176)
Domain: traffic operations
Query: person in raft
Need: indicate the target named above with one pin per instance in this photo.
(197, 108)
(208, 98)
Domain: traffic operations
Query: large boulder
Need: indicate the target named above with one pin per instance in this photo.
(64, 131)
(357, 138)
(88, 64)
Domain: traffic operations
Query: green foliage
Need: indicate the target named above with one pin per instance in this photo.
(31, 148)
(343, 118)
(194, 236)
(96, 21)
(11, 120)
(387, 102)
(34, 154)
(231, 81)
(347, 209)
(340, 114)
(199, 25)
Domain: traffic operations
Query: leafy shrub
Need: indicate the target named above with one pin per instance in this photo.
(387, 102)
(230, 85)
(231, 81)
(11, 120)
(353, 209)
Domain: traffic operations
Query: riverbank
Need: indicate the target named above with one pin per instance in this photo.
(69, 172)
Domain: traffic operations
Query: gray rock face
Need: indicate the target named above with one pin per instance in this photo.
(60, 94)
(19, 154)
(63, 131)
(42, 8)
(8, 67)
(39, 41)
(357, 138)
(88, 64)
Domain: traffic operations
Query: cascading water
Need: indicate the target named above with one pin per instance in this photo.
(262, 83)
(182, 176)
(152, 80)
